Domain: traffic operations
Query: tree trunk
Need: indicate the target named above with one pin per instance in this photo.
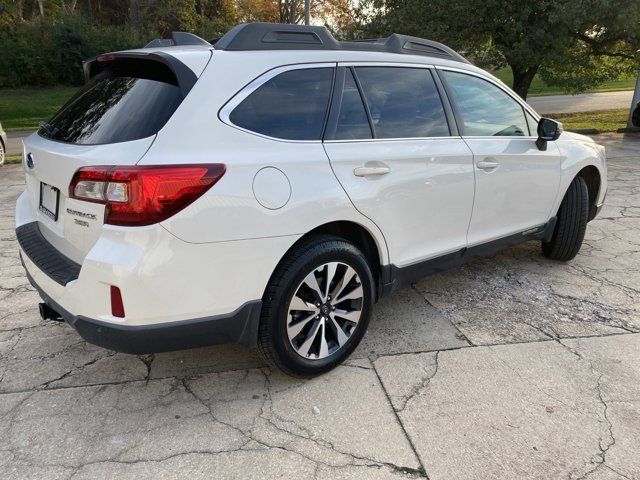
(20, 10)
(635, 103)
(200, 8)
(41, 7)
(307, 12)
(72, 5)
(133, 14)
(522, 80)
(288, 11)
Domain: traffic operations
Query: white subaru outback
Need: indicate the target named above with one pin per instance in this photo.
(269, 188)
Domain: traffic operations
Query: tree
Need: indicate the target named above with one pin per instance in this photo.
(550, 37)
(290, 11)
(616, 34)
(133, 14)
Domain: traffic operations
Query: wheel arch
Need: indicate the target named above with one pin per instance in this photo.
(373, 249)
(591, 176)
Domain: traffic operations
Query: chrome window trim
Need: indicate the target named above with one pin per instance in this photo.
(395, 139)
(225, 112)
(494, 81)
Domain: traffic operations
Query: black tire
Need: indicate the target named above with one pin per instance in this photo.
(571, 223)
(273, 341)
(3, 153)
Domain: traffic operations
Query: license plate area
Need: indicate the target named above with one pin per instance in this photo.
(49, 201)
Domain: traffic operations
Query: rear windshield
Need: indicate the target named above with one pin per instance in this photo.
(116, 106)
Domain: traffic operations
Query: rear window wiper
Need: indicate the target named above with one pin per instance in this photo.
(52, 131)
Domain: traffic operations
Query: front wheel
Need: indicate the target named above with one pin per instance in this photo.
(317, 307)
(571, 223)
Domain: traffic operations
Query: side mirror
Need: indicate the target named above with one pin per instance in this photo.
(548, 131)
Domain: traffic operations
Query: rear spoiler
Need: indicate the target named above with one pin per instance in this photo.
(185, 77)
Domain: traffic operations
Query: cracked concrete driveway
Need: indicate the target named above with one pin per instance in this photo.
(510, 367)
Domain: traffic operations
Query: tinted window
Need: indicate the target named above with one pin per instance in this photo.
(404, 102)
(113, 109)
(352, 120)
(486, 110)
(291, 105)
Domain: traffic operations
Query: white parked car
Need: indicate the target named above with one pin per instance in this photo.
(269, 189)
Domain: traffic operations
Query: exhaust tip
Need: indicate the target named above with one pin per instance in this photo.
(48, 313)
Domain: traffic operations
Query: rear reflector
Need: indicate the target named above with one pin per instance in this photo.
(117, 307)
(143, 195)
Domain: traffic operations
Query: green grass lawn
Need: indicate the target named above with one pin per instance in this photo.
(22, 109)
(603, 121)
(12, 159)
(538, 87)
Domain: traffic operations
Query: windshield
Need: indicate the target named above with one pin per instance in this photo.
(115, 107)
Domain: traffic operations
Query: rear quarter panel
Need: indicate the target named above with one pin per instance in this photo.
(230, 210)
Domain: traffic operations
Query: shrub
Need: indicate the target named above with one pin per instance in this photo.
(49, 52)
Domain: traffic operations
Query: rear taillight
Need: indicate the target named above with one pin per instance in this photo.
(143, 195)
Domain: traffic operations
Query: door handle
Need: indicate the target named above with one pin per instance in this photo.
(370, 171)
(487, 165)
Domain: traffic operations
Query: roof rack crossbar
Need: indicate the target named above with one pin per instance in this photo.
(276, 36)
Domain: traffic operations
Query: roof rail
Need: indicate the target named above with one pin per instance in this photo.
(177, 38)
(277, 36)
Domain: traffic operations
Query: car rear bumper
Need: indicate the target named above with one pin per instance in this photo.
(175, 294)
(240, 327)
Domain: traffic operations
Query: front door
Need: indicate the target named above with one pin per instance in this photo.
(516, 183)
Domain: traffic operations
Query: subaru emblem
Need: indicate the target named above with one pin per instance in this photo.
(30, 162)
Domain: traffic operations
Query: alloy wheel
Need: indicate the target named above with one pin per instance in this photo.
(325, 310)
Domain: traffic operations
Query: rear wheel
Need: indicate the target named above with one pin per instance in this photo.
(571, 223)
(317, 307)
(2, 153)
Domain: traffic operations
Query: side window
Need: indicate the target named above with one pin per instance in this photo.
(486, 110)
(533, 124)
(290, 106)
(403, 102)
(352, 120)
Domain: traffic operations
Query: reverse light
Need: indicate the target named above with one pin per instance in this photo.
(143, 195)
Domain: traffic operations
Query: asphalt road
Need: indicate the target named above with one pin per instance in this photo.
(585, 102)
(513, 367)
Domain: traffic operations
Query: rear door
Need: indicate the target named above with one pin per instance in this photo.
(392, 149)
(112, 120)
(516, 183)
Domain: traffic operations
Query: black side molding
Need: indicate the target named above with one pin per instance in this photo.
(240, 327)
(58, 267)
(395, 277)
